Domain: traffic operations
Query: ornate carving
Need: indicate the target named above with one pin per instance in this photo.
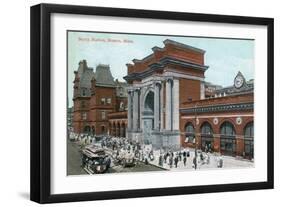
(239, 120)
(215, 121)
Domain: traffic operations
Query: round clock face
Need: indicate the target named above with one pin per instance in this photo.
(238, 82)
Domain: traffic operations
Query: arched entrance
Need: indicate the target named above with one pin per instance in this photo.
(87, 130)
(103, 131)
(114, 129)
(122, 130)
(118, 129)
(249, 140)
(189, 133)
(93, 130)
(227, 139)
(148, 117)
(207, 138)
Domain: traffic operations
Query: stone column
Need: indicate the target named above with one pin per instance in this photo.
(168, 105)
(202, 90)
(130, 104)
(162, 117)
(156, 106)
(141, 106)
(136, 116)
(175, 107)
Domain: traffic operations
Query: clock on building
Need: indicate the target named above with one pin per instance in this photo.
(239, 80)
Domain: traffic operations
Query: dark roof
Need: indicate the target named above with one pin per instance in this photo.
(103, 76)
(85, 74)
(86, 77)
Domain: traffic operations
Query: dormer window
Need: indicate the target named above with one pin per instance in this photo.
(83, 92)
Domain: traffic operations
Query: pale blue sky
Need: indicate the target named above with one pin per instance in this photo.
(225, 57)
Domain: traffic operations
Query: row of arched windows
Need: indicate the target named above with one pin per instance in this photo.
(118, 129)
(227, 137)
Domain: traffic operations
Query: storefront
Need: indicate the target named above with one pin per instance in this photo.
(207, 138)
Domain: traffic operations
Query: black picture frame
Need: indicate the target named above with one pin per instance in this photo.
(41, 102)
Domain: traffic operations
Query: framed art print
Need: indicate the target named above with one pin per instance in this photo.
(133, 103)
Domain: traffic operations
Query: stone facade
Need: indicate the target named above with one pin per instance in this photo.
(221, 118)
(236, 111)
(158, 84)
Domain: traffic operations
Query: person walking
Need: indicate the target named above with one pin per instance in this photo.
(180, 154)
(171, 161)
(201, 156)
(176, 161)
(206, 148)
(160, 160)
(184, 153)
(195, 162)
(146, 159)
(165, 157)
(184, 160)
(220, 162)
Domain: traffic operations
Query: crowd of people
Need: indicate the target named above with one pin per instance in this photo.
(165, 158)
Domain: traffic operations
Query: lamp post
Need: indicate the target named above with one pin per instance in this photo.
(195, 136)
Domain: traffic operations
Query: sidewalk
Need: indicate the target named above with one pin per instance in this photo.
(228, 162)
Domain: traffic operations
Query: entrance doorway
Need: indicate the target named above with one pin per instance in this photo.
(87, 129)
(227, 139)
(148, 117)
(207, 139)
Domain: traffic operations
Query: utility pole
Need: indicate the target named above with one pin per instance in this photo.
(195, 136)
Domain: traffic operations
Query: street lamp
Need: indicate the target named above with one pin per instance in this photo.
(195, 136)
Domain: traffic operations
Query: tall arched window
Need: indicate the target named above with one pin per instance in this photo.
(189, 133)
(87, 129)
(118, 129)
(122, 130)
(103, 130)
(249, 140)
(114, 129)
(207, 139)
(227, 138)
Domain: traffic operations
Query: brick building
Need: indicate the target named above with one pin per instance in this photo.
(95, 95)
(171, 106)
(167, 102)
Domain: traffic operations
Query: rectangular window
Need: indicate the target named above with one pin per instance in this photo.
(108, 100)
(84, 115)
(103, 101)
(103, 115)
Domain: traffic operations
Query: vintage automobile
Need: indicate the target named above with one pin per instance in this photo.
(95, 160)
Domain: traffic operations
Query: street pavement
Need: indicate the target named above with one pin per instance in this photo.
(228, 162)
(74, 162)
(74, 159)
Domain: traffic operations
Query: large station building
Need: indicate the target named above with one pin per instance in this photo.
(166, 102)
